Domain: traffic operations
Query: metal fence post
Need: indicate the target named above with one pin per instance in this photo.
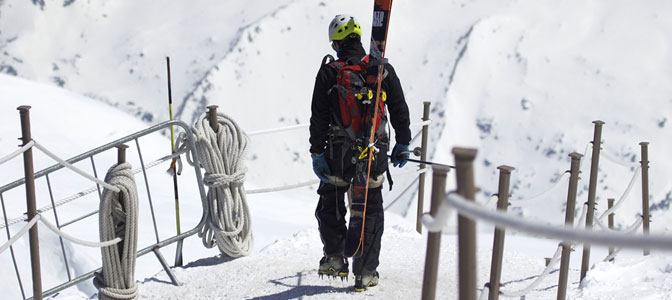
(212, 117)
(498, 242)
(24, 112)
(610, 222)
(569, 222)
(423, 157)
(434, 238)
(121, 153)
(645, 190)
(464, 164)
(594, 164)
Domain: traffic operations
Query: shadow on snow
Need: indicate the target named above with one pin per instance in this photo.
(298, 290)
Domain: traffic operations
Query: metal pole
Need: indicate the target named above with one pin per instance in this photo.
(212, 117)
(498, 242)
(610, 221)
(434, 238)
(149, 193)
(464, 163)
(645, 191)
(121, 153)
(58, 225)
(423, 156)
(24, 112)
(11, 249)
(178, 249)
(569, 222)
(594, 164)
(424, 162)
(165, 266)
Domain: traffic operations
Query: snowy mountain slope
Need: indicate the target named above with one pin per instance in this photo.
(520, 80)
(291, 259)
(501, 75)
(534, 95)
(115, 51)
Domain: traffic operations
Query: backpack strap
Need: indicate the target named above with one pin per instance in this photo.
(328, 59)
(389, 177)
(350, 134)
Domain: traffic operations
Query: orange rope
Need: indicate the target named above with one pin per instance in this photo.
(371, 153)
(373, 130)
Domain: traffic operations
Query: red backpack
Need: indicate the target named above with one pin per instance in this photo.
(355, 97)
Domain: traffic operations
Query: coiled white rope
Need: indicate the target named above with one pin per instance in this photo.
(222, 155)
(17, 152)
(119, 219)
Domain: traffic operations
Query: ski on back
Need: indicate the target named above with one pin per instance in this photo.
(355, 237)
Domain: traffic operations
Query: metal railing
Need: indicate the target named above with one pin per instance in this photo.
(469, 212)
(45, 175)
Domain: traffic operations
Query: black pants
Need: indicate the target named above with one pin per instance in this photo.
(330, 212)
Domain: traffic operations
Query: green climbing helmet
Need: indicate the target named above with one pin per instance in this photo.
(342, 26)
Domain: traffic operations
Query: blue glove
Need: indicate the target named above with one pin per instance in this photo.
(399, 155)
(320, 167)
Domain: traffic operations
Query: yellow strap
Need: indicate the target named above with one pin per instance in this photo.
(365, 153)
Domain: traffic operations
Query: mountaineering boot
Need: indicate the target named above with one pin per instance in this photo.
(334, 266)
(366, 280)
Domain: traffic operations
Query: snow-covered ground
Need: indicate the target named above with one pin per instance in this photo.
(521, 80)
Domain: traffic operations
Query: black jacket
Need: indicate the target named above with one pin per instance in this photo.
(325, 105)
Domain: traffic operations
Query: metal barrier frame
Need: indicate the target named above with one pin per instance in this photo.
(191, 145)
